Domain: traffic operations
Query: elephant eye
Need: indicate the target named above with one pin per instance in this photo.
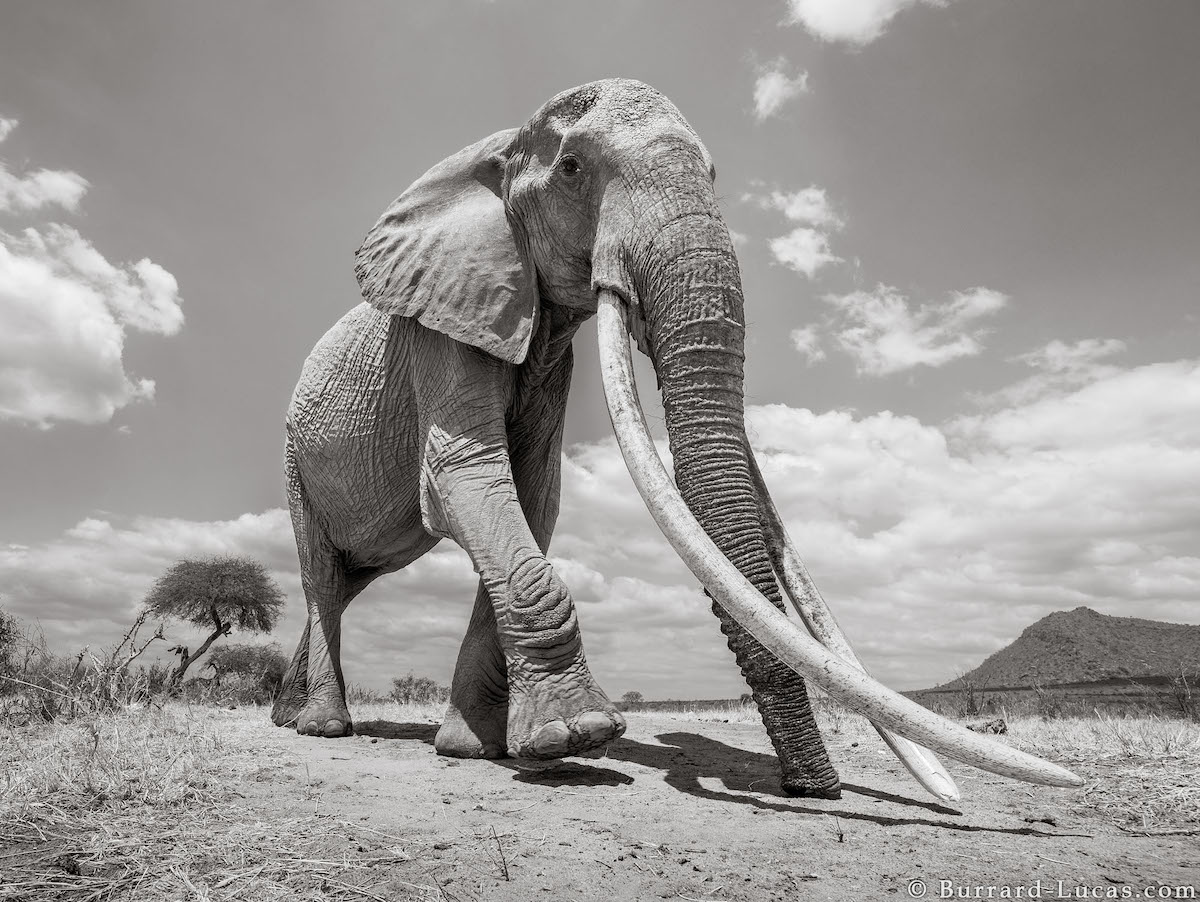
(569, 165)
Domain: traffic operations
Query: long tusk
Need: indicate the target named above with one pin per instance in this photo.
(771, 627)
(806, 599)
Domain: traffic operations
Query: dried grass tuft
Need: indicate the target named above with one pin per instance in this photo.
(142, 805)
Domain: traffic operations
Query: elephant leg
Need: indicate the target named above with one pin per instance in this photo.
(476, 722)
(293, 693)
(328, 588)
(469, 494)
(476, 718)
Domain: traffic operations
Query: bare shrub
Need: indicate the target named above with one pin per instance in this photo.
(42, 685)
(1184, 692)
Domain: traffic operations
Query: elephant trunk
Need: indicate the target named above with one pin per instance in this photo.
(693, 302)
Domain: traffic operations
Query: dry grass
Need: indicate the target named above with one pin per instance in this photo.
(1143, 773)
(142, 805)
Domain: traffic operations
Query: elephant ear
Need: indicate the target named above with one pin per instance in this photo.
(444, 252)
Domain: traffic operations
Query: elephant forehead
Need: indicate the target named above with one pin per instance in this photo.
(612, 99)
(621, 113)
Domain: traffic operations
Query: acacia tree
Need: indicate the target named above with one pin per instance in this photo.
(221, 592)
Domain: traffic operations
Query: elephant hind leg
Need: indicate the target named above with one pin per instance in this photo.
(293, 693)
(316, 687)
(476, 719)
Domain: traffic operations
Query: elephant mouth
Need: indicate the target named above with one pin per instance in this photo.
(824, 657)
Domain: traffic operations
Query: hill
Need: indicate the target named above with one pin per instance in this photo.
(1082, 646)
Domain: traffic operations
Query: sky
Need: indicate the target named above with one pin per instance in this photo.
(969, 240)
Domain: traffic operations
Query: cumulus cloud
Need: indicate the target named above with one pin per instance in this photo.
(885, 333)
(809, 205)
(40, 188)
(936, 543)
(774, 87)
(807, 341)
(65, 311)
(852, 21)
(804, 249)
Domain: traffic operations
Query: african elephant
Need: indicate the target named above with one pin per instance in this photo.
(435, 408)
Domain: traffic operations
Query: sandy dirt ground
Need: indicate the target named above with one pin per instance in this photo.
(692, 810)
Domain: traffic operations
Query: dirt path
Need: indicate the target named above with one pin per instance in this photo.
(692, 810)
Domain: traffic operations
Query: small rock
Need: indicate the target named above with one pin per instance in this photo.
(374, 740)
(441, 846)
(997, 726)
(1042, 817)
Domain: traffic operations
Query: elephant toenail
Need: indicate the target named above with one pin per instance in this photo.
(552, 740)
(594, 725)
(333, 728)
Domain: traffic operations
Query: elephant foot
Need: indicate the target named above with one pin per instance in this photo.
(805, 786)
(480, 733)
(287, 709)
(324, 719)
(558, 715)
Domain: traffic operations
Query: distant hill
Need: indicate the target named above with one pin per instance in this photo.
(1081, 646)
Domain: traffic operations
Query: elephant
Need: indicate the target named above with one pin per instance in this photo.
(435, 408)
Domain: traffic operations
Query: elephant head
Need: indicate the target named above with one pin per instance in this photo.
(604, 200)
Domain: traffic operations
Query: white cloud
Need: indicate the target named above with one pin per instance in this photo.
(1060, 366)
(65, 311)
(885, 334)
(853, 21)
(774, 87)
(804, 250)
(41, 188)
(64, 314)
(807, 341)
(935, 544)
(809, 206)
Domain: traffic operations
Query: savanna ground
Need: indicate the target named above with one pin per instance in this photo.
(204, 803)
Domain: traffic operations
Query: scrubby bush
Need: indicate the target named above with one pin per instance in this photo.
(41, 684)
(417, 690)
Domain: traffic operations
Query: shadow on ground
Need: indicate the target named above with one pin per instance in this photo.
(686, 758)
(388, 729)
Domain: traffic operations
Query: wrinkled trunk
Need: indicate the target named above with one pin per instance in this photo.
(692, 294)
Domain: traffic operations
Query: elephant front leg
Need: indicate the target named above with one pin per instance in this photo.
(555, 707)
(476, 723)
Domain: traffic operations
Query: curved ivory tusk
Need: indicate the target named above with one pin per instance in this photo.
(806, 599)
(771, 627)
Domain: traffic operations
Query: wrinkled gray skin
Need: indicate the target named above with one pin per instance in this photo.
(435, 409)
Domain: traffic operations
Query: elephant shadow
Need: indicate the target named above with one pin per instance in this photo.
(389, 729)
(687, 759)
